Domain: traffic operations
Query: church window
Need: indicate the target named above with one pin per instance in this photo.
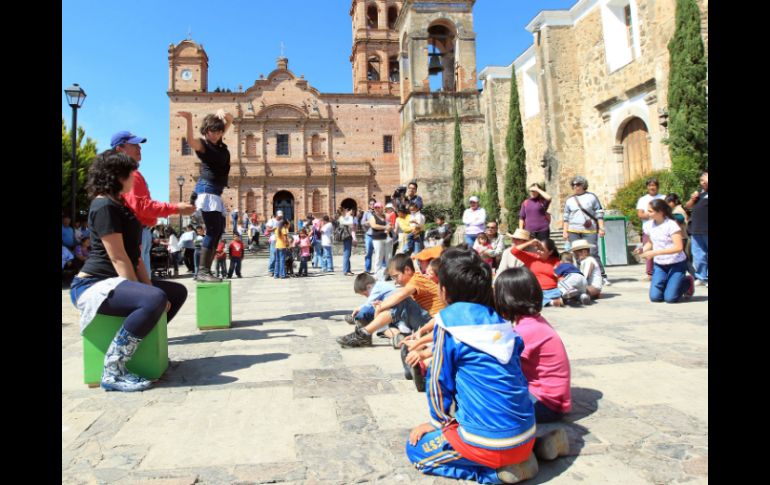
(282, 145)
(387, 142)
(394, 75)
(629, 28)
(373, 69)
(620, 29)
(392, 16)
(531, 88)
(186, 147)
(371, 17)
(251, 146)
(316, 203)
(315, 145)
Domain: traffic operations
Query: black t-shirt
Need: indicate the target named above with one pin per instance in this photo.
(700, 215)
(215, 162)
(378, 234)
(107, 217)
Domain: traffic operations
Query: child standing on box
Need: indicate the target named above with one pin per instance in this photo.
(215, 169)
(490, 437)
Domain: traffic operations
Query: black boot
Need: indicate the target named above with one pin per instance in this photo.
(204, 270)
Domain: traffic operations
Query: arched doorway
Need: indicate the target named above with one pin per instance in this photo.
(636, 150)
(284, 201)
(350, 204)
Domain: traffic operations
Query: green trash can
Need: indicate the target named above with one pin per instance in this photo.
(613, 247)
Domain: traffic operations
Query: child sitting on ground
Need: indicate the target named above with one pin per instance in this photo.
(374, 291)
(589, 267)
(490, 437)
(482, 244)
(544, 361)
(572, 283)
(432, 272)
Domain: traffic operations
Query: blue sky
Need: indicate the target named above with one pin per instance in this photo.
(117, 52)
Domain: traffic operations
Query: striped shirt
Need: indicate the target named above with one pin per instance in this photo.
(427, 293)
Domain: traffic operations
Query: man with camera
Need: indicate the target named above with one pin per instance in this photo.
(407, 195)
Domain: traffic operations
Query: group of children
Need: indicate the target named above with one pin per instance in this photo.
(491, 365)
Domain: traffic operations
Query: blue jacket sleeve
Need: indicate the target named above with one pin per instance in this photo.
(441, 382)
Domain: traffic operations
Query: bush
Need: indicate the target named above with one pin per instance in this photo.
(627, 196)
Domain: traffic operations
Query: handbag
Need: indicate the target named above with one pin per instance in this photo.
(587, 224)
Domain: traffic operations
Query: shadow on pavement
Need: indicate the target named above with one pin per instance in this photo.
(584, 403)
(227, 334)
(699, 298)
(207, 371)
(625, 280)
(608, 296)
(327, 315)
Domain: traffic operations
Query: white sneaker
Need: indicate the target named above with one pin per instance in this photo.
(700, 283)
(606, 282)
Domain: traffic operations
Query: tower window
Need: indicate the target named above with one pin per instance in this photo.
(392, 16)
(387, 142)
(394, 75)
(186, 147)
(373, 69)
(282, 145)
(371, 17)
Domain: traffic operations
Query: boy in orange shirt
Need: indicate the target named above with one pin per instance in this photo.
(407, 309)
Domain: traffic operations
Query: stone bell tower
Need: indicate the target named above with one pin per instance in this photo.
(438, 66)
(375, 46)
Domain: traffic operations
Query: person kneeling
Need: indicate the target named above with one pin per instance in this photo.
(491, 436)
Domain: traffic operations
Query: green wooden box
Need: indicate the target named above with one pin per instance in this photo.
(213, 305)
(150, 360)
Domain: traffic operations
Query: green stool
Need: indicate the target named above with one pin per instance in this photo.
(213, 302)
(150, 360)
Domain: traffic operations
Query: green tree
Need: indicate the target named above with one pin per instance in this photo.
(85, 154)
(687, 98)
(516, 169)
(458, 178)
(492, 205)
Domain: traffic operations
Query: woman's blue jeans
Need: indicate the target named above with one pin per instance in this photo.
(280, 263)
(327, 262)
(318, 254)
(669, 282)
(347, 247)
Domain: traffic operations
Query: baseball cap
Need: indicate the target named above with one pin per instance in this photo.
(377, 204)
(473, 199)
(122, 137)
(389, 206)
(279, 213)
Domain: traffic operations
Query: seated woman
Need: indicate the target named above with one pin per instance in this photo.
(114, 280)
(666, 248)
(542, 263)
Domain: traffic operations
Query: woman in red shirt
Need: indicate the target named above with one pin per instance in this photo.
(542, 263)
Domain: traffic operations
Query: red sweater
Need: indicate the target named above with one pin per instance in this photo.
(543, 270)
(146, 209)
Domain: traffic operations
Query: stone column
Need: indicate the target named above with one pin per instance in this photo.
(617, 153)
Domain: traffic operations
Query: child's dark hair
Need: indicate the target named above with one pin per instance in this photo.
(399, 262)
(414, 205)
(435, 264)
(326, 218)
(661, 206)
(106, 172)
(672, 197)
(465, 277)
(362, 281)
(517, 293)
(211, 123)
(551, 246)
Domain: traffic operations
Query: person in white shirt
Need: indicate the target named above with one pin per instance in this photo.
(415, 240)
(174, 250)
(588, 266)
(474, 219)
(641, 210)
(271, 226)
(327, 263)
(347, 220)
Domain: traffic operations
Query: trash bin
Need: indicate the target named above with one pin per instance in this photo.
(613, 247)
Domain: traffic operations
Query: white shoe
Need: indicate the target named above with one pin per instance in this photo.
(700, 283)
(606, 282)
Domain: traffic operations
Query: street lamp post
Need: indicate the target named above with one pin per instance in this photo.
(180, 181)
(75, 98)
(334, 185)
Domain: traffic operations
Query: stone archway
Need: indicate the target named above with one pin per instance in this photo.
(283, 200)
(635, 140)
(350, 204)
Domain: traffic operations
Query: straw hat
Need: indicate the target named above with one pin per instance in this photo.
(580, 244)
(520, 234)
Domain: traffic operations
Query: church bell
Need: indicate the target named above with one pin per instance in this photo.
(434, 66)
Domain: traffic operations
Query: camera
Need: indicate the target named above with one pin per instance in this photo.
(399, 193)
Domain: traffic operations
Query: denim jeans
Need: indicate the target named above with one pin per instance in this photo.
(543, 414)
(470, 239)
(221, 267)
(197, 258)
(280, 263)
(347, 246)
(551, 294)
(235, 266)
(328, 261)
(303, 265)
(369, 251)
(271, 264)
(318, 254)
(146, 246)
(669, 282)
(418, 243)
(700, 256)
(203, 186)
(409, 316)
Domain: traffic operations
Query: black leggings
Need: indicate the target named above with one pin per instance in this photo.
(142, 305)
(215, 226)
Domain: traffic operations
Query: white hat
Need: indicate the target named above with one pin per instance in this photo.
(521, 234)
(580, 244)
(278, 213)
(389, 206)
(473, 199)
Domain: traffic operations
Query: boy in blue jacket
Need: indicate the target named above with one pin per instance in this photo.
(475, 365)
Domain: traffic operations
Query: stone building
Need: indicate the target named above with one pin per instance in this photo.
(593, 91)
(286, 134)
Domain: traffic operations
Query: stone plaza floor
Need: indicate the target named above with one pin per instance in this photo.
(274, 399)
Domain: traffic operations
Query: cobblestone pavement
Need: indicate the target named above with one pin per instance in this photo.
(275, 400)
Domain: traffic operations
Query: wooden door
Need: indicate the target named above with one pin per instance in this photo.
(636, 150)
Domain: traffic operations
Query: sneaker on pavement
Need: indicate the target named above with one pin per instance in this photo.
(606, 282)
(397, 339)
(350, 319)
(585, 299)
(690, 289)
(407, 367)
(518, 472)
(552, 445)
(355, 339)
(418, 376)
